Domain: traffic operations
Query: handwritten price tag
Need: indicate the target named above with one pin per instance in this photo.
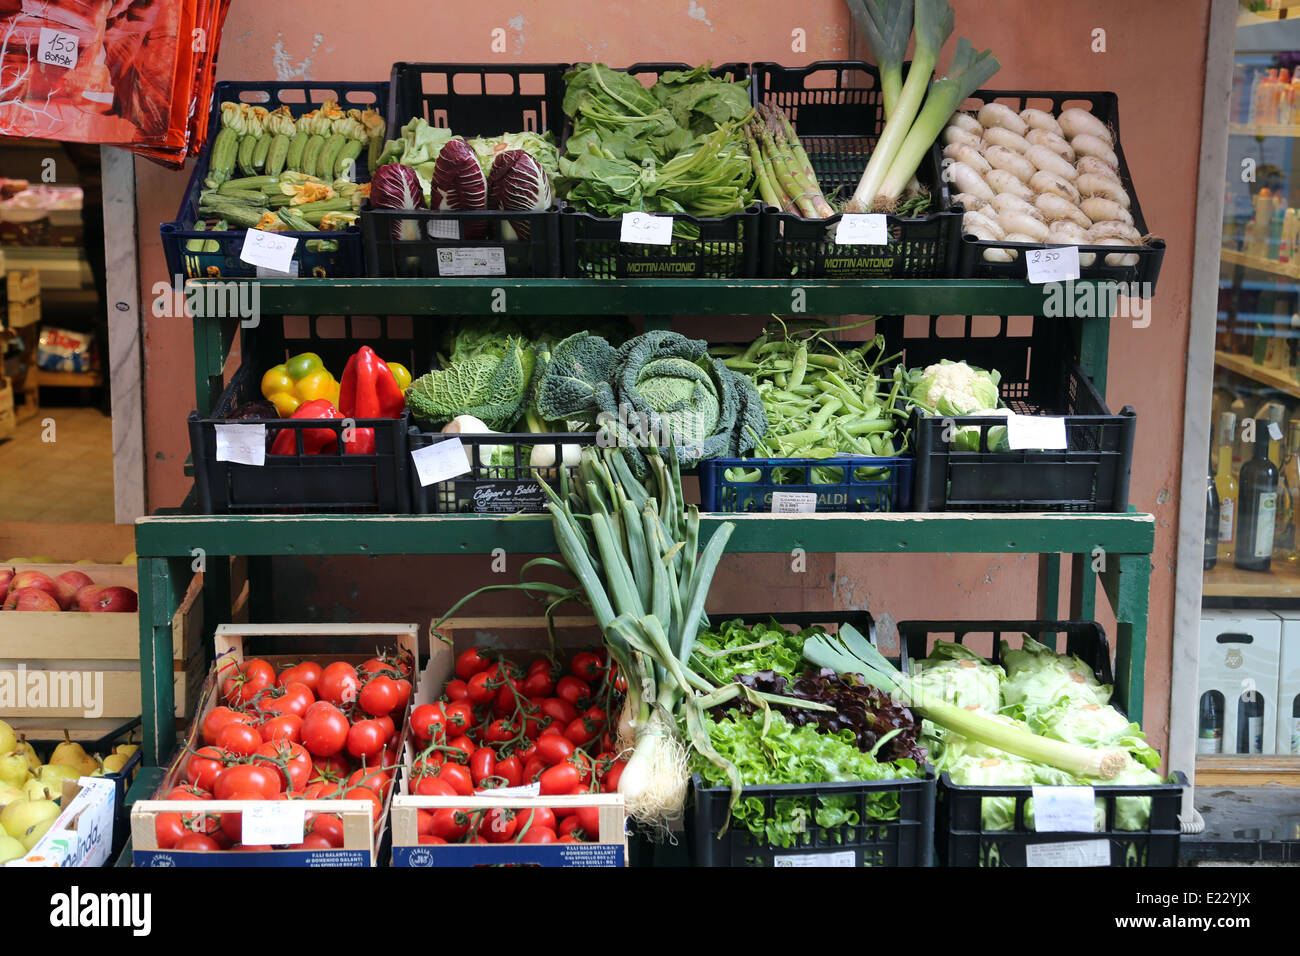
(1274, 432)
(242, 444)
(1035, 431)
(441, 461)
(273, 823)
(645, 228)
(856, 229)
(793, 502)
(1063, 809)
(1057, 264)
(57, 48)
(269, 250)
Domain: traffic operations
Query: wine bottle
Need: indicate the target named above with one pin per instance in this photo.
(1257, 508)
(1250, 723)
(1225, 484)
(1211, 523)
(1295, 725)
(1209, 734)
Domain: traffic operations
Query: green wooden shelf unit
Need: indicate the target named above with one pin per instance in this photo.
(165, 544)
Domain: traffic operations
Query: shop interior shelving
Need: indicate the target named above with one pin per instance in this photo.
(164, 544)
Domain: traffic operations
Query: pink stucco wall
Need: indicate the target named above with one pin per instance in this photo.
(1153, 58)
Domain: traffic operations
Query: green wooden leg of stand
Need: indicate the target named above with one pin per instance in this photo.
(1049, 587)
(159, 599)
(1127, 580)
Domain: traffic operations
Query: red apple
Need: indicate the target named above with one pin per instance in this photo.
(34, 579)
(114, 599)
(30, 599)
(68, 584)
(85, 597)
(5, 576)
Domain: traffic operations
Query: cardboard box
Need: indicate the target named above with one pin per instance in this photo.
(1288, 687)
(83, 833)
(518, 639)
(51, 664)
(361, 836)
(1239, 658)
(22, 314)
(23, 284)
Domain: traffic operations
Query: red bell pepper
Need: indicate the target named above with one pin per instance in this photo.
(368, 389)
(315, 441)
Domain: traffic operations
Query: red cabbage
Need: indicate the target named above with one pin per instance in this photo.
(459, 177)
(517, 181)
(395, 186)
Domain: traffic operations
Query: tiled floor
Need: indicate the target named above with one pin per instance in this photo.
(67, 479)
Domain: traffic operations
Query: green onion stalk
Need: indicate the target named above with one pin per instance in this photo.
(633, 549)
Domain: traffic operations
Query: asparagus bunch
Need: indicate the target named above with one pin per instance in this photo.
(785, 176)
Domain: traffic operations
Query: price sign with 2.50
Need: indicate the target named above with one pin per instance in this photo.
(1054, 264)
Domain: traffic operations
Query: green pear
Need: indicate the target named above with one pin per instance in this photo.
(9, 794)
(33, 760)
(8, 739)
(14, 769)
(74, 755)
(10, 849)
(27, 820)
(37, 789)
(114, 763)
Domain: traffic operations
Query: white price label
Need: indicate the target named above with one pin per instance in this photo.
(441, 461)
(268, 249)
(1064, 809)
(528, 790)
(1074, 853)
(443, 229)
(243, 444)
(1035, 431)
(472, 262)
(793, 502)
(57, 48)
(273, 823)
(1055, 264)
(1274, 432)
(843, 858)
(857, 229)
(643, 227)
(264, 273)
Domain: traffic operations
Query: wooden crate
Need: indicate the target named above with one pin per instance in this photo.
(102, 543)
(8, 423)
(42, 648)
(518, 638)
(361, 840)
(20, 315)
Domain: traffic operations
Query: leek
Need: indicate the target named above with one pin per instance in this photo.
(850, 653)
(886, 26)
(933, 23)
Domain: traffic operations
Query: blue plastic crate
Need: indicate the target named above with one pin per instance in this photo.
(301, 97)
(888, 490)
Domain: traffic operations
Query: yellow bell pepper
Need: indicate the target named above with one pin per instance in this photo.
(400, 373)
(303, 378)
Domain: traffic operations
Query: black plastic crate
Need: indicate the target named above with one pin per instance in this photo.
(488, 488)
(470, 99)
(726, 247)
(301, 96)
(888, 486)
(904, 841)
(837, 111)
(320, 483)
(1105, 106)
(960, 838)
(1090, 475)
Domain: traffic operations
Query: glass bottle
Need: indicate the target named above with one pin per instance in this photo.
(1295, 725)
(1211, 523)
(1257, 507)
(1250, 723)
(1287, 546)
(1209, 732)
(1226, 485)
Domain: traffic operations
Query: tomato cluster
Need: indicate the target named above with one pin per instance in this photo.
(499, 725)
(310, 732)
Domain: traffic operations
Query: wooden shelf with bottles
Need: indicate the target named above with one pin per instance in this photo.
(1225, 581)
(1289, 270)
(1248, 368)
(1247, 770)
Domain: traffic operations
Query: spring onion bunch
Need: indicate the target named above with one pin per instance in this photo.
(634, 549)
(849, 653)
(911, 129)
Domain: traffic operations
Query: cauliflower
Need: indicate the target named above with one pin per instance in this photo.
(955, 388)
